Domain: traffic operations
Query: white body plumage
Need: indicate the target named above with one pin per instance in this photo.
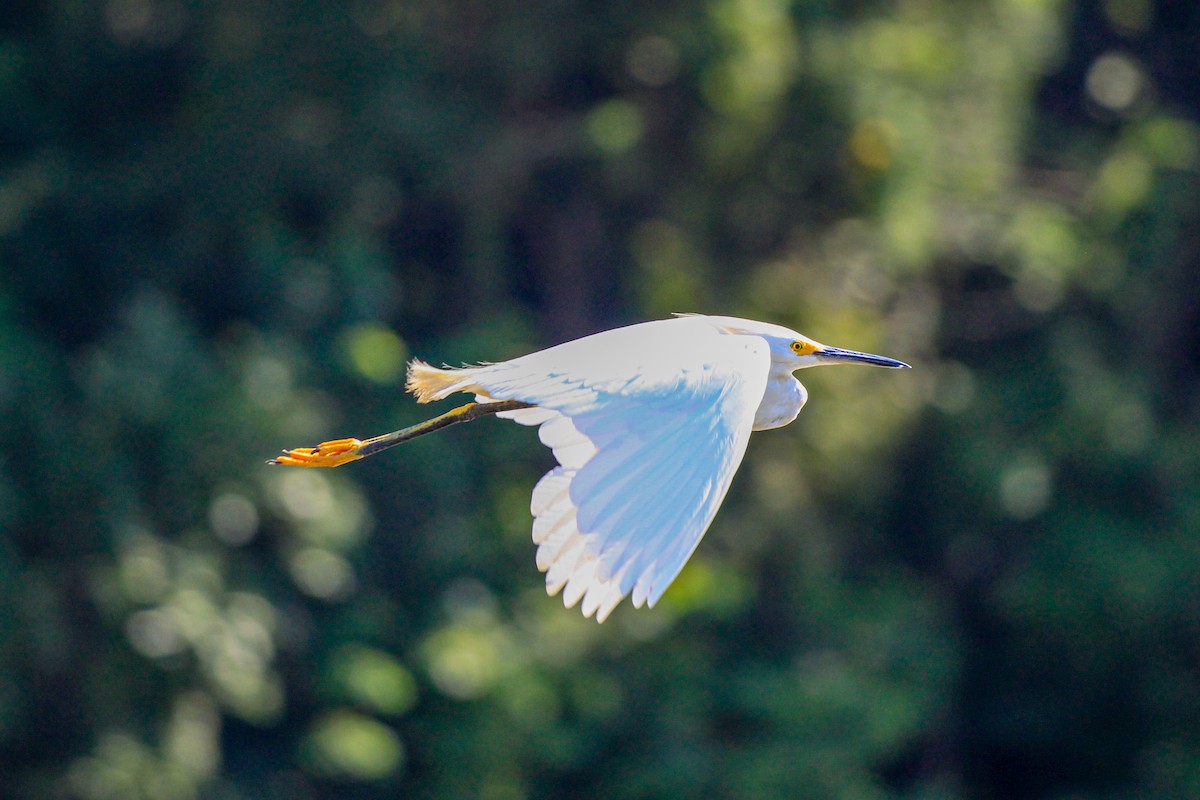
(648, 424)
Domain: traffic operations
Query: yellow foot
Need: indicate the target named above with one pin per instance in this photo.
(326, 454)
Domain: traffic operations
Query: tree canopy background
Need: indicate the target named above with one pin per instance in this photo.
(224, 226)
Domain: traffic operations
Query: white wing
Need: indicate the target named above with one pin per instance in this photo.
(649, 424)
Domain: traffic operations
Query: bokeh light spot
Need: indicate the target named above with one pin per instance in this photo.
(1114, 81)
(375, 352)
(322, 573)
(1123, 183)
(306, 495)
(1025, 487)
(614, 126)
(153, 634)
(234, 519)
(352, 745)
(375, 679)
(1173, 143)
(464, 661)
(193, 734)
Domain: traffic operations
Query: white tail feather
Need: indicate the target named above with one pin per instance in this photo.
(433, 383)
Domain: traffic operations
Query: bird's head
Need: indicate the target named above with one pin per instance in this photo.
(795, 351)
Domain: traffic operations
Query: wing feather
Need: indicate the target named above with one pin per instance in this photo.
(553, 486)
(639, 511)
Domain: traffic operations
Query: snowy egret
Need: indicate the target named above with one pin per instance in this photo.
(648, 424)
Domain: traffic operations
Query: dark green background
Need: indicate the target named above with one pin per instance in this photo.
(224, 226)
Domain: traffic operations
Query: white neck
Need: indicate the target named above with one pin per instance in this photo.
(782, 400)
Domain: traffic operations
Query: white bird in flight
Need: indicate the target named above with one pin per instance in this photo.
(648, 423)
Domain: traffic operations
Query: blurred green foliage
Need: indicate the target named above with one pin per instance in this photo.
(224, 226)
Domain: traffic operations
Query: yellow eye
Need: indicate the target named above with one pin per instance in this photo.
(802, 348)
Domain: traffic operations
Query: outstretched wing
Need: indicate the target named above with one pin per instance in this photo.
(648, 424)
